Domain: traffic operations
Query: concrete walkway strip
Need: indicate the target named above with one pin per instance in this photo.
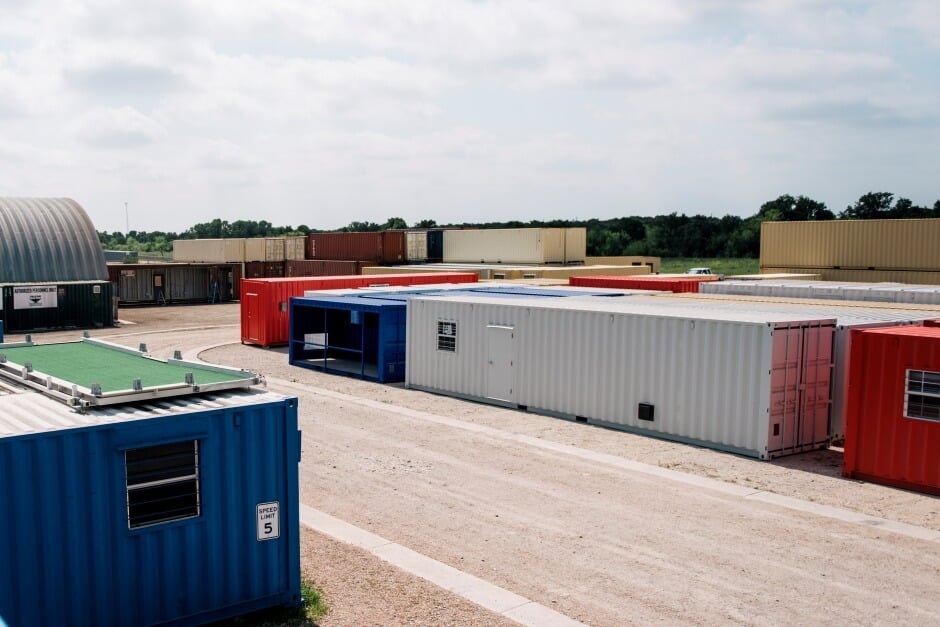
(837, 513)
(474, 589)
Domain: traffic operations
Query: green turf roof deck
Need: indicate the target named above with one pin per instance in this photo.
(115, 368)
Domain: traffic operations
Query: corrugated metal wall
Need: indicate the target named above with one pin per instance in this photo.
(76, 305)
(708, 379)
(881, 444)
(69, 557)
(863, 276)
(860, 244)
(209, 250)
(525, 246)
(48, 240)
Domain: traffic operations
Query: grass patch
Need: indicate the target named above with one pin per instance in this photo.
(312, 608)
(671, 265)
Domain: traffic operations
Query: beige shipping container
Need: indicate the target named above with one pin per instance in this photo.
(294, 247)
(264, 249)
(866, 276)
(654, 263)
(498, 271)
(575, 245)
(851, 244)
(514, 246)
(209, 250)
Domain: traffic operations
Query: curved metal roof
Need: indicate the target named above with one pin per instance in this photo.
(48, 240)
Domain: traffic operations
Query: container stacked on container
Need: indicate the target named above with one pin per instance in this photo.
(381, 247)
(515, 246)
(854, 250)
(675, 284)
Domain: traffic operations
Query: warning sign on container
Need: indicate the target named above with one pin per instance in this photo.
(269, 521)
(35, 297)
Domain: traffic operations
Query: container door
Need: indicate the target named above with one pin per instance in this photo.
(800, 388)
(500, 373)
(255, 322)
(159, 287)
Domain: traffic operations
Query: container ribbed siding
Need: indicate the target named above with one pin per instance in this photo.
(324, 267)
(78, 305)
(263, 269)
(376, 246)
(756, 384)
(660, 283)
(830, 290)
(209, 250)
(145, 284)
(863, 276)
(295, 247)
(848, 317)
(525, 246)
(498, 272)
(881, 444)
(69, 533)
(265, 249)
(653, 263)
(858, 244)
(264, 304)
(416, 243)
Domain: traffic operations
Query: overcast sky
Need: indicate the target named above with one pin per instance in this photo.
(321, 113)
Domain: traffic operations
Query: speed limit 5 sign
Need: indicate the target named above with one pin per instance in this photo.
(269, 521)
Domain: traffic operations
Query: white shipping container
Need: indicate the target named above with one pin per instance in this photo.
(416, 244)
(294, 247)
(575, 245)
(209, 250)
(525, 246)
(751, 383)
(265, 249)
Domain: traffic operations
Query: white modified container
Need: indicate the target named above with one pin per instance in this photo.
(294, 247)
(209, 250)
(752, 383)
(416, 246)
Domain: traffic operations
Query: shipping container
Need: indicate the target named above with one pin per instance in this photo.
(652, 282)
(848, 316)
(922, 277)
(780, 276)
(498, 272)
(174, 283)
(856, 244)
(66, 305)
(295, 247)
(893, 429)
(575, 245)
(265, 249)
(264, 303)
(751, 383)
(263, 269)
(322, 267)
(376, 246)
(653, 263)
(209, 250)
(159, 511)
(417, 243)
(830, 290)
(513, 246)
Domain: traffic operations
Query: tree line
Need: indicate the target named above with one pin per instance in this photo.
(669, 235)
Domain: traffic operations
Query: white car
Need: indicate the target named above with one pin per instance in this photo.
(699, 271)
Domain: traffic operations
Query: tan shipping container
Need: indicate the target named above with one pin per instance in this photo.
(295, 247)
(851, 244)
(264, 249)
(512, 246)
(865, 276)
(575, 245)
(209, 250)
(501, 272)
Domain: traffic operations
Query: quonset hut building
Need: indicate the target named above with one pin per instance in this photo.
(52, 269)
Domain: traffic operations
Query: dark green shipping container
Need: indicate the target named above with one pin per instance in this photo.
(28, 307)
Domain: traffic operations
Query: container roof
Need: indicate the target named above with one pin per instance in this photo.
(25, 412)
(48, 240)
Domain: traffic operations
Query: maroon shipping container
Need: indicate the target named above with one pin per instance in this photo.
(673, 284)
(264, 303)
(323, 267)
(892, 431)
(263, 269)
(381, 247)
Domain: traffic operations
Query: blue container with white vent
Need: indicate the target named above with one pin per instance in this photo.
(176, 511)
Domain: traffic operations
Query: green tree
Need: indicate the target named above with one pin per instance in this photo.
(869, 206)
(395, 223)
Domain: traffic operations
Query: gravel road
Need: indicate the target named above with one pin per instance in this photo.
(605, 545)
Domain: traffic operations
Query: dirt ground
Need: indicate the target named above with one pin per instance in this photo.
(463, 483)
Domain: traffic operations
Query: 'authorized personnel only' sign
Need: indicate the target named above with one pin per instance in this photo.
(35, 297)
(269, 521)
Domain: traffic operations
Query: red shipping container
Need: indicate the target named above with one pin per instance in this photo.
(662, 283)
(932, 323)
(382, 247)
(321, 267)
(264, 302)
(892, 431)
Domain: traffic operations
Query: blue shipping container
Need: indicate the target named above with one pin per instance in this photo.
(180, 511)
